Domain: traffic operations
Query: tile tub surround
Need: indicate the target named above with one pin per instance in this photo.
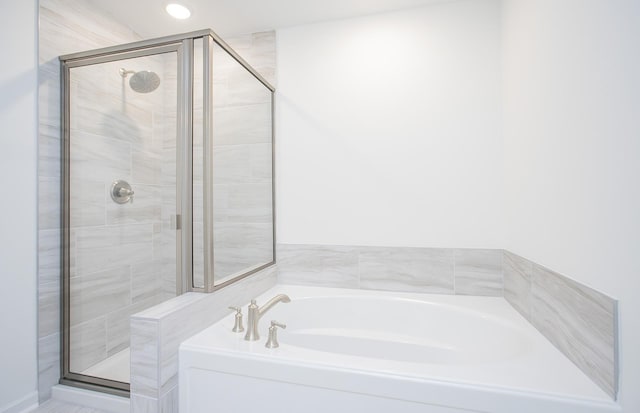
(156, 334)
(425, 270)
(578, 320)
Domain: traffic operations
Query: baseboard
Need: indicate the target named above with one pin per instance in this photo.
(24, 405)
(95, 400)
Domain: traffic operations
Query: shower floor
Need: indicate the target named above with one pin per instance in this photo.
(115, 368)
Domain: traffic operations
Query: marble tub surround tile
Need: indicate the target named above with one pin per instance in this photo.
(406, 269)
(580, 322)
(321, 265)
(478, 272)
(427, 270)
(517, 282)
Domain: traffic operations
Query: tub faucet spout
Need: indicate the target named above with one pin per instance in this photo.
(256, 313)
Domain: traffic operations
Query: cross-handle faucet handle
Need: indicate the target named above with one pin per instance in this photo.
(237, 326)
(272, 341)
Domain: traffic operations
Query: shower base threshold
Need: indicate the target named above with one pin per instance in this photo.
(115, 368)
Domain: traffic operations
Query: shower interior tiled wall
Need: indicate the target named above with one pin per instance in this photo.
(121, 262)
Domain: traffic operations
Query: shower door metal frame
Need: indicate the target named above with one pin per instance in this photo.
(183, 49)
(182, 44)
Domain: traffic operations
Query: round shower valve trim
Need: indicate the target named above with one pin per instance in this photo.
(121, 192)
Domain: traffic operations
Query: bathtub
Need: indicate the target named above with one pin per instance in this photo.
(368, 351)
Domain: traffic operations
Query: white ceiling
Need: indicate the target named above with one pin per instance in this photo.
(230, 17)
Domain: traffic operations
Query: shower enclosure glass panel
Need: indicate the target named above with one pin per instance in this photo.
(167, 187)
(121, 205)
(242, 210)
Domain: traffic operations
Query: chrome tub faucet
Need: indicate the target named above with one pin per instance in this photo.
(256, 313)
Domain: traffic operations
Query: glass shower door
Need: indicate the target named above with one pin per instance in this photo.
(120, 204)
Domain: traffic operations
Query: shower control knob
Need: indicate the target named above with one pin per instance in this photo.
(121, 192)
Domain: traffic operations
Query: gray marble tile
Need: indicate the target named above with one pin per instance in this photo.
(425, 270)
(87, 201)
(49, 203)
(238, 246)
(96, 247)
(144, 358)
(146, 207)
(517, 282)
(49, 150)
(48, 308)
(49, 256)
(87, 344)
(118, 323)
(247, 203)
(321, 265)
(242, 124)
(146, 167)
(169, 401)
(96, 294)
(580, 322)
(478, 272)
(145, 282)
(98, 158)
(143, 404)
(48, 364)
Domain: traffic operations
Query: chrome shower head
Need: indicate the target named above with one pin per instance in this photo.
(144, 81)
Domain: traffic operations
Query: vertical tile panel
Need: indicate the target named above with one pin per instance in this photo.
(580, 322)
(144, 358)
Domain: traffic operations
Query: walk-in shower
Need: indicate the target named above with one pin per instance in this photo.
(167, 187)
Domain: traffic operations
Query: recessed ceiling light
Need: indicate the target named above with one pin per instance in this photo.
(178, 11)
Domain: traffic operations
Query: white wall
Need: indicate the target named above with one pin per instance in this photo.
(572, 147)
(389, 129)
(18, 213)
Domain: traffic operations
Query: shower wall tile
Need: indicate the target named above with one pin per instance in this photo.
(580, 322)
(49, 199)
(96, 294)
(88, 203)
(517, 282)
(100, 159)
(48, 308)
(88, 344)
(49, 256)
(243, 124)
(406, 269)
(321, 265)
(478, 272)
(145, 207)
(48, 364)
(103, 247)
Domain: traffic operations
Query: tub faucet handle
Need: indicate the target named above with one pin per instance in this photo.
(237, 327)
(272, 341)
